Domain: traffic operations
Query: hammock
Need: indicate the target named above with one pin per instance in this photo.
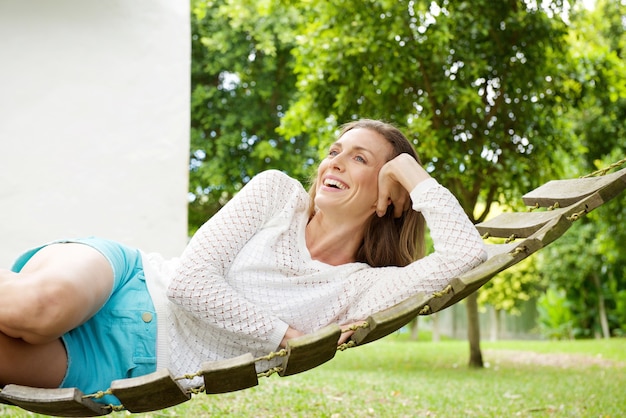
(563, 202)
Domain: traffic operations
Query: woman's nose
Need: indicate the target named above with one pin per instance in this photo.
(337, 163)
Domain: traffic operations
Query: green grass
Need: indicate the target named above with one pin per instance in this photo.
(399, 378)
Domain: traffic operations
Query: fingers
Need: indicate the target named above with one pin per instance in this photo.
(347, 331)
(401, 204)
(290, 334)
(391, 191)
(384, 192)
(345, 336)
(382, 204)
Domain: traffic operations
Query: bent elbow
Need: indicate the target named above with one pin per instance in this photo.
(482, 255)
(478, 255)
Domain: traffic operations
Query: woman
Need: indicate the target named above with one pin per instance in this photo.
(275, 263)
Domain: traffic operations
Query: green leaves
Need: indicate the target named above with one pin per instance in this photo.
(242, 82)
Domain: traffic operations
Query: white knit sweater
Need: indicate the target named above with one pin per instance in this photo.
(247, 274)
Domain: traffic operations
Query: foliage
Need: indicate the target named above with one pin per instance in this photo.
(242, 82)
(508, 290)
(472, 82)
(597, 68)
(556, 320)
(598, 261)
(589, 264)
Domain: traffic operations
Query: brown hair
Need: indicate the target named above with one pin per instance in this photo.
(388, 241)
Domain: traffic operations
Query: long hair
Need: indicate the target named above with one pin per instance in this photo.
(388, 241)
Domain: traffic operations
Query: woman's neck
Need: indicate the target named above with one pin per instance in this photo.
(333, 243)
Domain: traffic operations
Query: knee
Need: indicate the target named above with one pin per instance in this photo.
(34, 310)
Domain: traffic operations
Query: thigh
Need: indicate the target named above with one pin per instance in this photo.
(85, 271)
(60, 287)
(40, 365)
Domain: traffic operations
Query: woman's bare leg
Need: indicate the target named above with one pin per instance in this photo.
(58, 289)
(40, 365)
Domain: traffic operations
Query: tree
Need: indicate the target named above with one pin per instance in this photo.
(474, 83)
(242, 83)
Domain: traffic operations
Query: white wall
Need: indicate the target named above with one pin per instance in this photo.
(94, 122)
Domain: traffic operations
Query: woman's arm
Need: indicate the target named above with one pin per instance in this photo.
(457, 245)
(199, 285)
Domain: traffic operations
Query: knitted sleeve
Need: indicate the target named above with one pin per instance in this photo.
(199, 286)
(458, 248)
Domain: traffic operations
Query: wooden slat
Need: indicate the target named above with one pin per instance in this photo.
(4, 401)
(151, 392)
(520, 224)
(494, 250)
(567, 192)
(499, 260)
(311, 350)
(389, 320)
(501, 257)
(67, 402)
(230, 375)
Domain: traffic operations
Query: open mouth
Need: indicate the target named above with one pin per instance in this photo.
(335, 184)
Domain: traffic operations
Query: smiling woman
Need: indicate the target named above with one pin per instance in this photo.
(275, 263)
(353, 164)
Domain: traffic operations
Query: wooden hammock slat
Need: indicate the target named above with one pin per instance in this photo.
(390, 320)
(311, 350)
(541, 228)
(520, 224)
(229, 375)
(557, 223)
(501, 257)
(163, 389)
(67, 402)
(566, 192)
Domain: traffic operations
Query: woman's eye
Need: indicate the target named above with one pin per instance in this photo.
(332, 152)
(360, 159)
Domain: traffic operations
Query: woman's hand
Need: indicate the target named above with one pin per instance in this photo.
(346, 332)
(291, 333)
(396, 179)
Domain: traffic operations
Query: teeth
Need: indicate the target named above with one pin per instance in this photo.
(335, 183)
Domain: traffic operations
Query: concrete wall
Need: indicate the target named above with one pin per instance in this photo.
(94, 122)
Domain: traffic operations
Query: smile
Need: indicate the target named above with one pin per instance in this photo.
(336, 184)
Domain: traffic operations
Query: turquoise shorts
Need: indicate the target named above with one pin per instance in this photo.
(119, 341)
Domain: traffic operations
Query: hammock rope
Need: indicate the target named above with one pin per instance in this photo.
(520, 234)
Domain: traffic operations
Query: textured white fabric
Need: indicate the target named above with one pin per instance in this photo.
(246, 274)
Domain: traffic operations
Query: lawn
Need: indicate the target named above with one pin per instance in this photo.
(395, 377)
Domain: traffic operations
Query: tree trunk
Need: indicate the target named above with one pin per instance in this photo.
(436, 333)
(473, 331)
(455, 311)
(415, 328)
(494, 326)
(604, 322)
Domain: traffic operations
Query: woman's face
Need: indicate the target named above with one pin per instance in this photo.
(348, 177)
